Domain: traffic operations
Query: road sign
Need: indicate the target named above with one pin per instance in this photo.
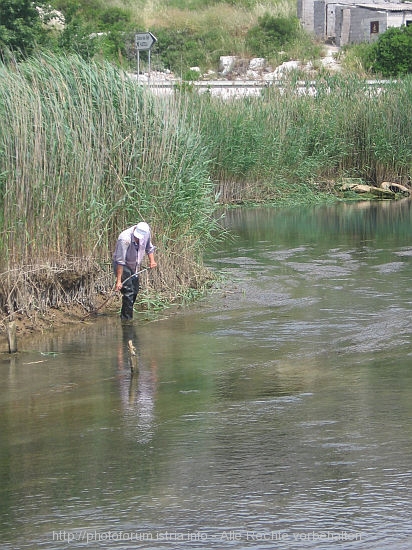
(144, 40)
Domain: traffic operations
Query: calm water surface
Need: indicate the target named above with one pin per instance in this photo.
(276, 413)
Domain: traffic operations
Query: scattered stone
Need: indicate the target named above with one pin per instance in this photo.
(241, 70)
(209, 75)
(226, 64)
(252, 75)
(257, 64)
(286, 67)
(386, 190)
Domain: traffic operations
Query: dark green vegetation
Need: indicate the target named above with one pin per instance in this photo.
(393, 52)
(20, 26)
(389, 56)
(272, 34)
(190, 33)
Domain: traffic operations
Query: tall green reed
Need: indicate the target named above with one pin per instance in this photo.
(85, 151)
(302, 133)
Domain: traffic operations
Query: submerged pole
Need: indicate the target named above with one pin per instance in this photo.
(12, 336)
(133, 357)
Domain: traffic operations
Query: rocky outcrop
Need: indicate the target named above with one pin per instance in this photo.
(386, 190)
(257, 68)
(395, 188)
(51, 17)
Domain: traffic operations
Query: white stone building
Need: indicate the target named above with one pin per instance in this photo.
(349, 21)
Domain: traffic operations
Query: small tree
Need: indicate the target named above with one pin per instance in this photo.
(115, 26)
(393, 52)
(20, 27)
(78, 38)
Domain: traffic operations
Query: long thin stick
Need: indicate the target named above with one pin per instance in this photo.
(134, 274)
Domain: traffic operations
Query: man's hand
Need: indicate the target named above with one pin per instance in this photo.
(152, 262)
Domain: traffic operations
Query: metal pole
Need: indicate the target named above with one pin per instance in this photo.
(148, 81)
(138, 66)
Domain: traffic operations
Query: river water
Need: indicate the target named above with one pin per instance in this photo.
(275, 413)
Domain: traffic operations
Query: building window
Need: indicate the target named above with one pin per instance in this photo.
(408, 23)
(374, 27)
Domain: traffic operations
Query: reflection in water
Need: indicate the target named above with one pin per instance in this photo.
(279, 405)
(356, 223)
(137, 389)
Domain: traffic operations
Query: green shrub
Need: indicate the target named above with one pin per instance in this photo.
(114, 18)
(115, 37)
(21, 28)
(191, 75)
(393, 52)
(86, 11)
(271, 34)
(78, 38)
(179, 49)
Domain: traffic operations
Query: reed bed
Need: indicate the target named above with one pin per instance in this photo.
(299, 135)
(86, 152)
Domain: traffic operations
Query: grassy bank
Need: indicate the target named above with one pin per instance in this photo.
(85, 152)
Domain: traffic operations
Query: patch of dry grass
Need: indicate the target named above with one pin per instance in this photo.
(228, 17)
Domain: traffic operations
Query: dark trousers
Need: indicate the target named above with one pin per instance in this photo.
(129, 292)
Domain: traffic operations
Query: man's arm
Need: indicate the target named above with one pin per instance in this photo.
(119, 273)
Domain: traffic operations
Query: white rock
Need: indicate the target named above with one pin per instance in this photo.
(51, 17)
(330, 63)
(226, 64)
(252, 75)
(257, 64)
(286, 67)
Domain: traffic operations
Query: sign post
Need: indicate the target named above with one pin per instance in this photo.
(143, 42)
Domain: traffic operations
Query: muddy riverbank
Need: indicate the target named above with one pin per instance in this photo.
(54, 320)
